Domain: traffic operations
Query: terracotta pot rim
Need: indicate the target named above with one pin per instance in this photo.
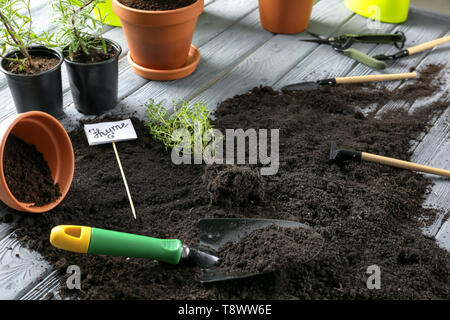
(112, 42)
(55, 52)
(23, 206)
(157, 12)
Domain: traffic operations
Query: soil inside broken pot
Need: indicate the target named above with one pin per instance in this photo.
(157, 5)
(367, 214)
(27, 173)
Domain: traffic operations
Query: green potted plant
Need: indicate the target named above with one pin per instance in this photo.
(159, 35)
(92, 61)
(32, 68)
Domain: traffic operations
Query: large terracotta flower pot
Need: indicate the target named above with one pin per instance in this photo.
(285, 16)
(51, 139)
(159, 40)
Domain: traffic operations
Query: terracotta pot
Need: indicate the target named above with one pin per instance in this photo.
(285, 16)
(50, 138)
(159, 39)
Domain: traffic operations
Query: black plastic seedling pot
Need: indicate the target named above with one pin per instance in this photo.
(95, 86)
(37, 92)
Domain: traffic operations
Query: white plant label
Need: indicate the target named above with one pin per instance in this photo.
(109, 132)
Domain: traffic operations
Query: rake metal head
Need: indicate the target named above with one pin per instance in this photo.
(337, 154)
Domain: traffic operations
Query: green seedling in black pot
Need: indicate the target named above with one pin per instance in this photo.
(91, 60)
(31, 67)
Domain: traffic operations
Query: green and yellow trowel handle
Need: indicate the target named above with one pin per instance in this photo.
(98, 241)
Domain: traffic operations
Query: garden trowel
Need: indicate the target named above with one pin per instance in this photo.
(337, 154)
(213, 233)
(346, 80)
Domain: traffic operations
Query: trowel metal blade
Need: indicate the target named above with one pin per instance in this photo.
(301, 86)
(215, 275)
(214, 233)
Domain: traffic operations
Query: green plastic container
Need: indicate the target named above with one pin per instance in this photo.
(106, 10)
(390, 11)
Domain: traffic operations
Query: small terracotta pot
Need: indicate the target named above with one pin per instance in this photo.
(285, 16)
(51, 139)
(159, 39)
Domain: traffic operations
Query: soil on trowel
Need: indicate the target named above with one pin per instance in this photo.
(272, 248)
(27, 173)
(157, 5)
(40, 65)
(367, 214)
(233, 185)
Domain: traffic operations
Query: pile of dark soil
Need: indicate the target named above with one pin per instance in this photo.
(41, 64)
(157, 5)
(367, 214)
(96, 54)
(27, 173)
(233, 185)
(269, 249)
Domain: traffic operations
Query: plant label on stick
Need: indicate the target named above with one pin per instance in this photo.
(108, 132)
(112, 132)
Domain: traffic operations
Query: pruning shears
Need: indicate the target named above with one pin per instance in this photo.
(344, 42)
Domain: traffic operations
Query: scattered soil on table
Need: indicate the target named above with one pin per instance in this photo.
(269, 249)
(96, 54)
(157, 5)
(367, 214)
(233, 185)
(27, 173)
(42, 64)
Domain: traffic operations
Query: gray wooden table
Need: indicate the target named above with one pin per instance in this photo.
(237, 55)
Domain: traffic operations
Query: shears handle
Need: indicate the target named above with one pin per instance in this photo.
(398, 39)
(365, 59)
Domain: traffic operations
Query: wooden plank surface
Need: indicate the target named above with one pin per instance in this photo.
(277, 56)
(20, 268)
(237, 54)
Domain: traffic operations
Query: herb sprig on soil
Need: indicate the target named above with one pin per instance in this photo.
(195, 119)
(16, 32)
(80, 33)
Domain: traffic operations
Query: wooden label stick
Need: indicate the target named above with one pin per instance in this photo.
(112, 132)
(124, 179)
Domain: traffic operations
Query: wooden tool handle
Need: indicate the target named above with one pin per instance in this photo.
(377, 77)
(428, 45)
(404, 164)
